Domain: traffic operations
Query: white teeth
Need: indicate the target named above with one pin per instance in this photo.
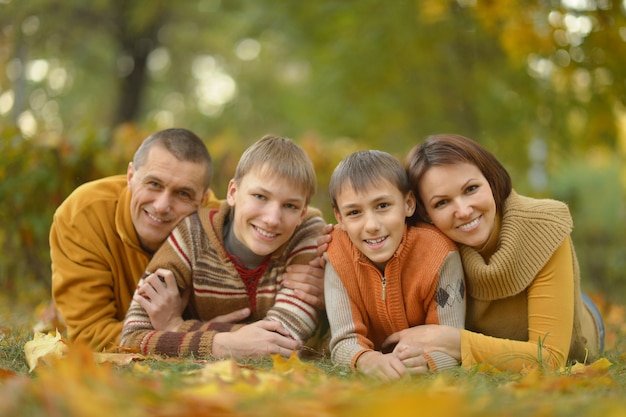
(374, 241)
(264, 233)
(470, 224)
(156, 219)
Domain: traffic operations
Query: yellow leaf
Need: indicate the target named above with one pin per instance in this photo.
(44, 349)
(602, 363)
(118, 358)
(293, 364)
(599, 365)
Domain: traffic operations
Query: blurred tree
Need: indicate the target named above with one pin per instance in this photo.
(536, 81)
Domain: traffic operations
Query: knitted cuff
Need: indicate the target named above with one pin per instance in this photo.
(438, 361)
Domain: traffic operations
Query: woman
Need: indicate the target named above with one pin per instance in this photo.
(524, 304)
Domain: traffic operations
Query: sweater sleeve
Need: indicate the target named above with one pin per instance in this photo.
(193, 338)
(88, 291)
(450, 306)
(550, 318)
(450, 292)
(348, 341)
(295, 315)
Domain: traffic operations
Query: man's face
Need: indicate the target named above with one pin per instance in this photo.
(164, 191)
(267, 211)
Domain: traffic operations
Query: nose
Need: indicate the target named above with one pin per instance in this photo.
(371, 223)
(272, 214)
(463, 210)
(163, 203)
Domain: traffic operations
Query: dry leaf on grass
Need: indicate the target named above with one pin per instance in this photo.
(44, 349)
(118, 358)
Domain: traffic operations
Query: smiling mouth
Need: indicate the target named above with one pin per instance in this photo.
(375, 241)
(264, 233)
(470, 225)
(156, 219)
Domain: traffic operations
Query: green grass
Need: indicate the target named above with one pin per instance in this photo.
(76, 386)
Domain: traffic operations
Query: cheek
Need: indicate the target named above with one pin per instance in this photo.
(439, 218)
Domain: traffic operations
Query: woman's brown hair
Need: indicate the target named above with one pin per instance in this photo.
(450, 149)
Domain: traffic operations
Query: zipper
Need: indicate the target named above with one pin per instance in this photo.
(383, 281)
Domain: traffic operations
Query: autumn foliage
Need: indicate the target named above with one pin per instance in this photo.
(70, 380)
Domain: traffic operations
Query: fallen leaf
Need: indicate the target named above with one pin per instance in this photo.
(44, 349)
(118, 358)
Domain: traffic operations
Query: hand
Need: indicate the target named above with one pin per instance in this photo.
(307, 282)
(412, 358)
(428, 338)
(324, 240)
(384, 366)
(159, 295)
(261, 338)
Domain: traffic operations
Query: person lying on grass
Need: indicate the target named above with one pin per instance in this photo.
(525, 307)
(383, 276)
(232, 258)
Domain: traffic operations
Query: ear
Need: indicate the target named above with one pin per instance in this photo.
(303, 214)
(232, 191)
(410, 204)
(338, 218)
(130, 171)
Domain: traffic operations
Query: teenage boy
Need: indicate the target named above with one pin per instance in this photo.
(233, 258)
(383, 275)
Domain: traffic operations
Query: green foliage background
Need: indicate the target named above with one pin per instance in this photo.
(540, 83)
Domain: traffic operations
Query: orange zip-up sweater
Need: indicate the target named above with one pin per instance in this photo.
(423, 283)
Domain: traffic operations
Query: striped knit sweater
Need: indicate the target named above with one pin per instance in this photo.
(195, 253)
(423, 283)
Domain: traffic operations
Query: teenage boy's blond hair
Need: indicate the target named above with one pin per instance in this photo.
(279, 157)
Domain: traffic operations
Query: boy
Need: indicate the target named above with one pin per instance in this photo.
(233, 257)
(382, 275)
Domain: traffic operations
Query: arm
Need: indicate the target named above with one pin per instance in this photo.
(203, 339)
(176, 257)
(550, 318)
(297, 316)
(307, 280)
(347, 341)
(84, 282)
(447, 308)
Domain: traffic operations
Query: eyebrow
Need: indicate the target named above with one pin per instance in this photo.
(190, 190)
(436, 196)
(262, 190)
(376, 200)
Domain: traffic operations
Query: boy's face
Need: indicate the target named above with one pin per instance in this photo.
(267, 210)
(374, 219)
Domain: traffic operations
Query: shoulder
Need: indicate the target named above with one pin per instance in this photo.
(427, 234)
(537, 209)
(101, 196)
(313, 222)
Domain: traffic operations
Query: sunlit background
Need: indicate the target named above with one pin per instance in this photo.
(542, 84)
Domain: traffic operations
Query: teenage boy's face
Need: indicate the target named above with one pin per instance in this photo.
(374, 219)
(267, 210)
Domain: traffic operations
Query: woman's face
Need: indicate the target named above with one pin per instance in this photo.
(459, 202)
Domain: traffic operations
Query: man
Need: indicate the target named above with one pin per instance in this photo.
(104, 234)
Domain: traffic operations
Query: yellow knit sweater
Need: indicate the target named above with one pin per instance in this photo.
(524, 291)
